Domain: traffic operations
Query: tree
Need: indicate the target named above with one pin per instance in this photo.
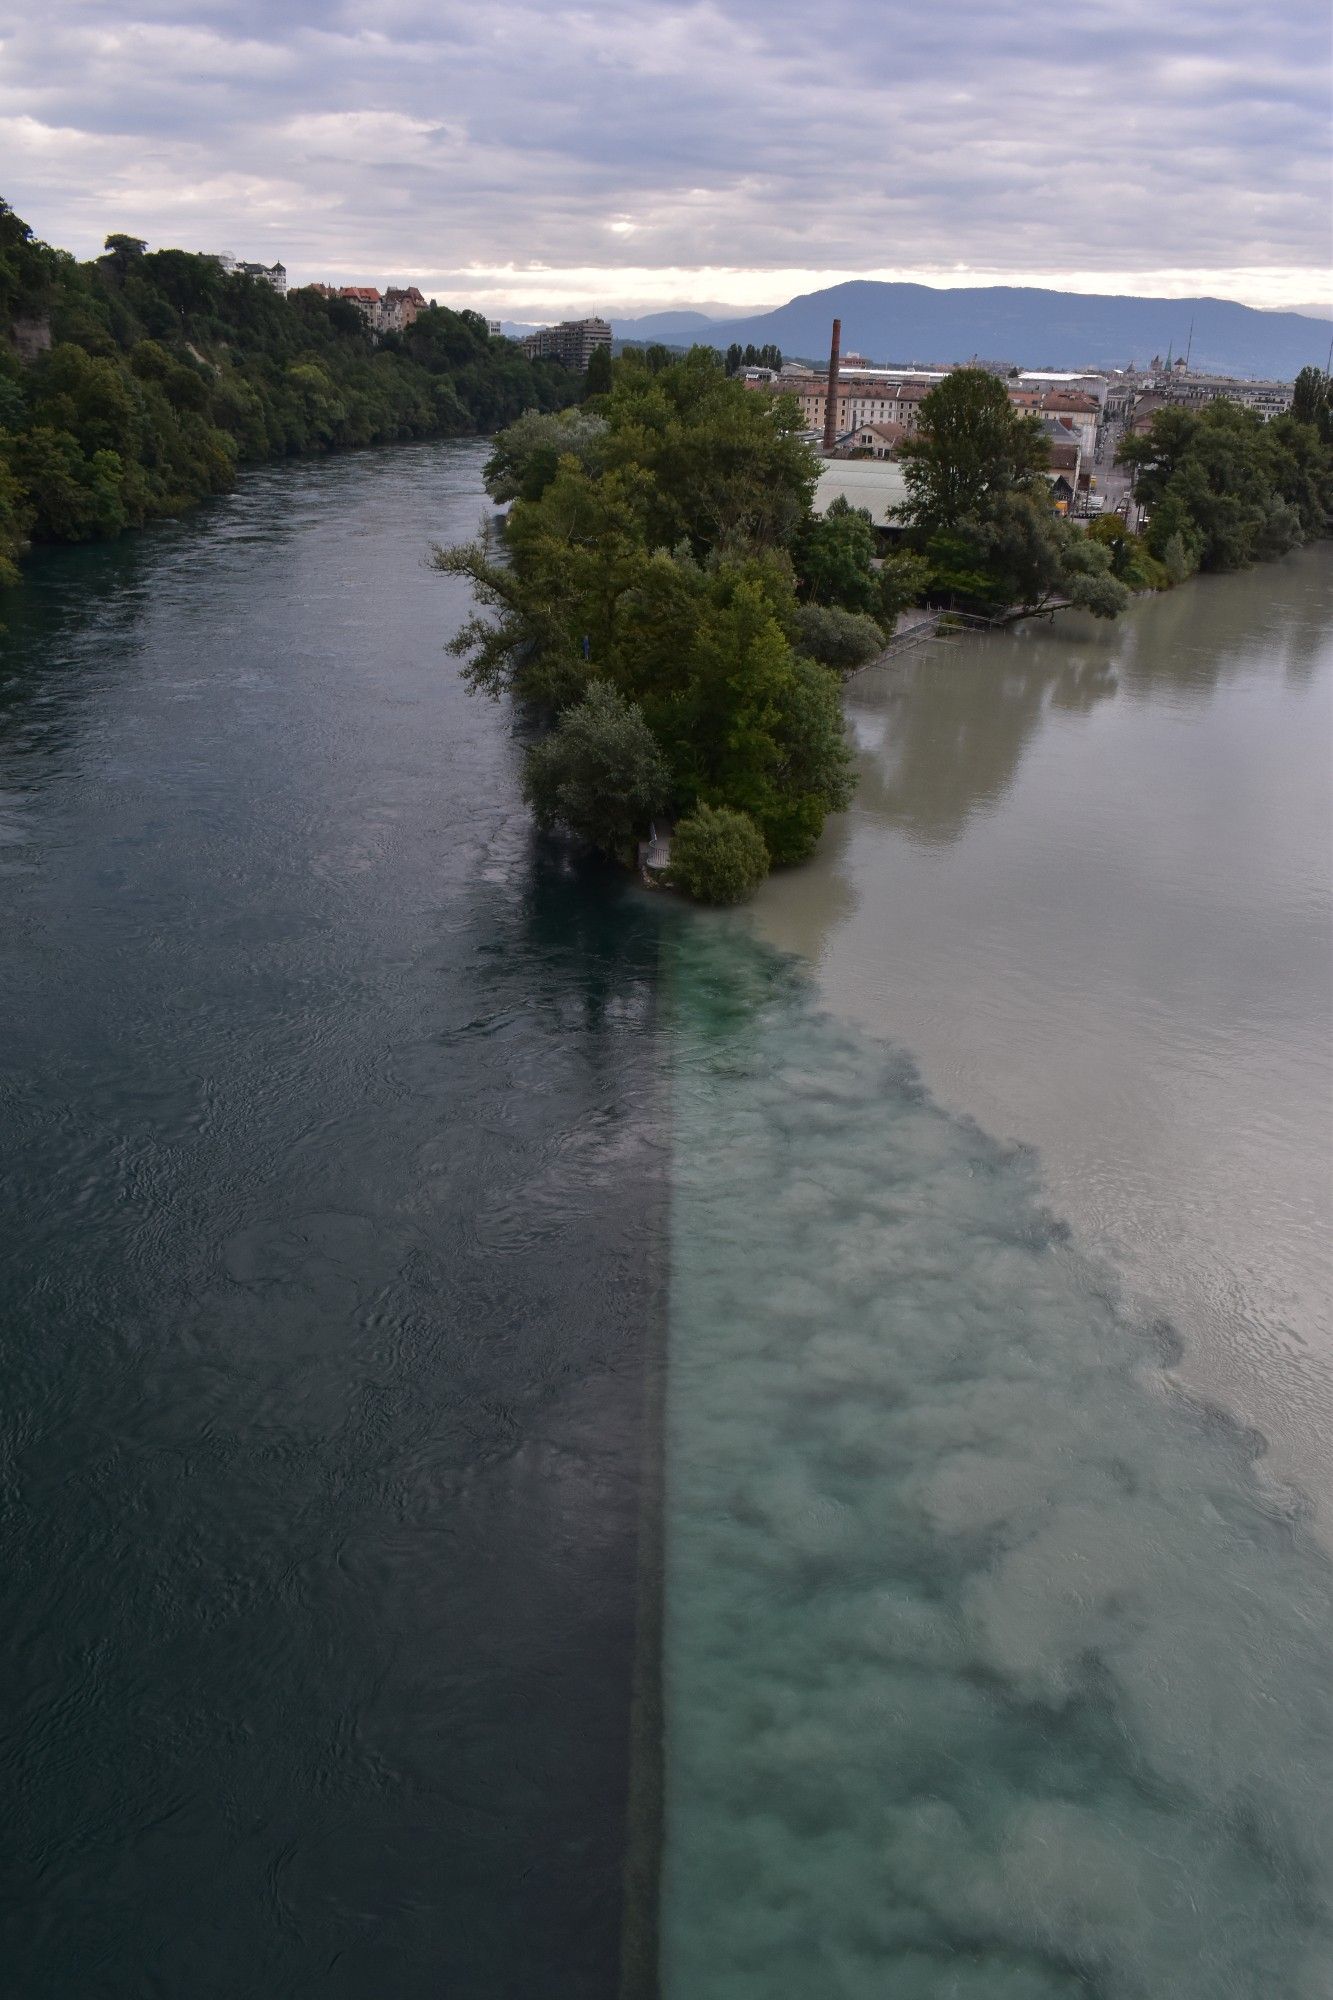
(164, 371)
(597, 380)
(122, 251)
(599, 773)
(1309, 398)
(970, 450)
(835, 558)
(527, 454)
(717, 855)
(842, 640)
(904, 578)
(729, 468)
(15, 522)
(1228, 488)
(1131, 561)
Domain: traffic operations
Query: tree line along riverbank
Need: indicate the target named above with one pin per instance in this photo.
(135, 385)
(666, 601)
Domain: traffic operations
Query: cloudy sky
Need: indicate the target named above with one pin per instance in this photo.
(534, 159)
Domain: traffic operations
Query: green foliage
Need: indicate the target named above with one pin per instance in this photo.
(122, 251)
(1178, 560)
(834, 559)
(597, 378)
(843, 640)
(904, 578)
(652, 556)
(1086, 578)
(970, 451)
(27, 269)
(750, 356)
(165, 373)
(599, 773)
(1021, 556)
(718, 856)
(728, 468)
(1224, 489)
(526, 455)
(1310, 396)
(15, 524)
(1132, 562)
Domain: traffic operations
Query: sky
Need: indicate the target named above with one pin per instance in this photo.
(534, 161)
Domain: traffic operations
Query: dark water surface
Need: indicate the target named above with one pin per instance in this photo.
(331, 1189)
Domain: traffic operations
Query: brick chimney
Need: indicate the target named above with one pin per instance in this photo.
(831, 400)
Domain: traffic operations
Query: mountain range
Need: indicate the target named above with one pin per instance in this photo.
(1036, 329)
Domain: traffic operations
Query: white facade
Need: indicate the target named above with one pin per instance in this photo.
(1042, 379)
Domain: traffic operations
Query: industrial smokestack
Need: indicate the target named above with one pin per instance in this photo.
(831, 400)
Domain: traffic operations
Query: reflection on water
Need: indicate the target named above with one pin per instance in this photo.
(991, 1671)
(1085, 880)
(933, 762)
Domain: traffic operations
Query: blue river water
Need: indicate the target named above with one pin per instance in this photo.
(381, 1619)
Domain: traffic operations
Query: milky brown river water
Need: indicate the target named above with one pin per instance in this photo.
(1086, 880)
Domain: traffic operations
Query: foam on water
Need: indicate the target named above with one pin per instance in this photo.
(990, 1666)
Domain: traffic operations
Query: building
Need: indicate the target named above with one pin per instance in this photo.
(865, 396)
(1077, 413)
(269, 274)
(1269, 399)
(398, 309)
(366, 299)
(879, 488)
(1043, 380)
(874, 440)
(573, 342)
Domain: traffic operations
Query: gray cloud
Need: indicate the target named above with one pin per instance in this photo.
(717, 149)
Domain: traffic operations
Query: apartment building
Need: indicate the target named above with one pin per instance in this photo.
(573, 342)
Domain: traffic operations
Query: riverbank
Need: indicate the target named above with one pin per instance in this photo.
(134, 386)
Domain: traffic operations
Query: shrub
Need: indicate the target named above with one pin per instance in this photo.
(843, 640)
(718, 856)
(600, 772)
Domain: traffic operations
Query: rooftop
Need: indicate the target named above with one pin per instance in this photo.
(877, 484)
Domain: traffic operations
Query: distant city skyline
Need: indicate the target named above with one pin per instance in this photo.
(541, 162)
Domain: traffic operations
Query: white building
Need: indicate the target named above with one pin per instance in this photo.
(269, 274)
(878, 485)
(1090, 383)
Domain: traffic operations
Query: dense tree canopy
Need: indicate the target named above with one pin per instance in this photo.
(153, 375)
(750, 356)
(652, 558)
(971, 449)
(981, 512)
(718, 856)
(1223, 488)
(600, 772)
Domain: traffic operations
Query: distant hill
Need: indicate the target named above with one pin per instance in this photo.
(1036, 329)
(664, 326)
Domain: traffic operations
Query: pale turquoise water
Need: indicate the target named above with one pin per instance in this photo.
(990, 1669)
